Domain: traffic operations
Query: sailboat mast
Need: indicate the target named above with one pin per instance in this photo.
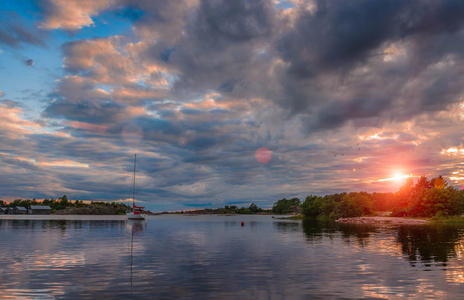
(133, 182)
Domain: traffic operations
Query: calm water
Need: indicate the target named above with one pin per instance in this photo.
(214, 257)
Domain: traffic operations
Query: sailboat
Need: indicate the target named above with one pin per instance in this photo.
(137, 212)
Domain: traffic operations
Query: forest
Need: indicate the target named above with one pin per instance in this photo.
(422, 199)
(63, 203)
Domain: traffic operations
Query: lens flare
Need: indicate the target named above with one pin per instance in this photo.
(263, 155)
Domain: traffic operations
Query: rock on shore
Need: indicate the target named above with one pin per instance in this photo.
(88, 210)
(382, 221)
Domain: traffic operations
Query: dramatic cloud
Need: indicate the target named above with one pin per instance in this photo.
(233, 102)
(367, 48)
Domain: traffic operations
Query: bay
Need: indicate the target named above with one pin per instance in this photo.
(215, 257)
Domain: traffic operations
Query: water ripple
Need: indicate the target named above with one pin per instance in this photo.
(215, 257)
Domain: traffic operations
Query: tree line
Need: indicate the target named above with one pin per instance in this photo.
(425, 198)
(63, 203)
(232, 209)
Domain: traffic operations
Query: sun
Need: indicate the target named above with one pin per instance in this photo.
(399, 176)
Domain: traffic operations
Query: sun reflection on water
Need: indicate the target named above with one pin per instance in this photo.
(211, 256)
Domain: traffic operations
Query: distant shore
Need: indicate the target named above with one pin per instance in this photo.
(382, 221)
(64, 217)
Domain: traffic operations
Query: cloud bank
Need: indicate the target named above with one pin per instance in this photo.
(341, 94)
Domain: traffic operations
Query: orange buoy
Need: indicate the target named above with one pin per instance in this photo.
(243, 223)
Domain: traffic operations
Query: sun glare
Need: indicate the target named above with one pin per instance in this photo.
(397, 177)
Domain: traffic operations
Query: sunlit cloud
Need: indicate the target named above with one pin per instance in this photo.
(115, 60)
(72, 14)
(12, 121)
(86, 126)
(461, 111)
(392, 52)
(129, 95)
(453, 151)
(63, 163)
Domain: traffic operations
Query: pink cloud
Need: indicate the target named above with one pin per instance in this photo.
(114, 61)
(13, 123)
(64, 163)
(133, 94)
(87, 126)
(72, 14)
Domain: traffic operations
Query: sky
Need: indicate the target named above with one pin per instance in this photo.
(228, 102)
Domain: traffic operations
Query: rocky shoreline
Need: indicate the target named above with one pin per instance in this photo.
(89, 210)
(382, 221)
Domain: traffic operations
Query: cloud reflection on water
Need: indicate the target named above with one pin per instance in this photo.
(214, 256)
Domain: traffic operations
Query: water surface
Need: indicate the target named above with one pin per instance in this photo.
(214, 257)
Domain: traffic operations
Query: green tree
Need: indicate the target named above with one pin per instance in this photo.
(254, 208)
(21, 202)
(354, 205)
(285, 206)
(383, 201)
(312, 206)
(62, 202)
(457, 201)
(243, 210)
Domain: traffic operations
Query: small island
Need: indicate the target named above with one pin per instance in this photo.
(63, 206)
